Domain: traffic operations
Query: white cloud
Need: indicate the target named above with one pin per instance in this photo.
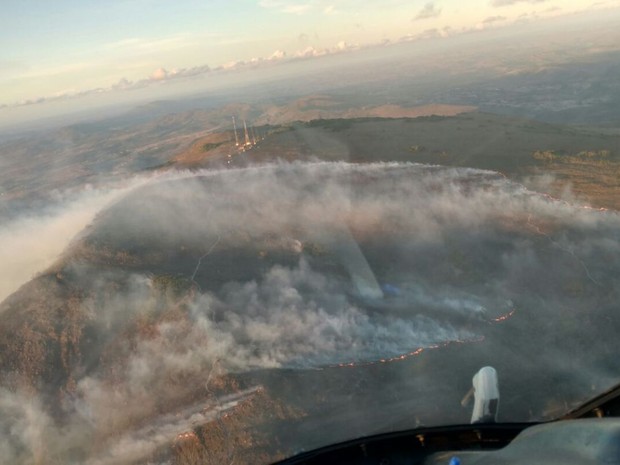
(498, 3)
(123, 83)
(159, 74)
(429, 10)
(432, 33)
(296, 9)
(310, 52)
(286, 7)
(342, 45)
(277, 55)
(300, 7)
(494, 19)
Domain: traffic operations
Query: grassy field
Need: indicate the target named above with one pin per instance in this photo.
(581, 163)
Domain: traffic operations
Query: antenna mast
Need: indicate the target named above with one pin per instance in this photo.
(235, 128)
(247, 137)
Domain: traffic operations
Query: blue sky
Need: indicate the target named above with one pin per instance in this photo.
(64, 47)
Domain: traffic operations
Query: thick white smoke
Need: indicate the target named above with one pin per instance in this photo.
(267, 286)
(295, 315)
(269, 323)
(31, 243)
(24, 429)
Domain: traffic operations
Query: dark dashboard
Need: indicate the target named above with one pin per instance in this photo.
(588, 435)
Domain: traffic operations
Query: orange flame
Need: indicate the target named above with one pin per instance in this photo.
(505, 316)
(405, 356)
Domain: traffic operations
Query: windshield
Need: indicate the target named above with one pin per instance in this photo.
(231, 232)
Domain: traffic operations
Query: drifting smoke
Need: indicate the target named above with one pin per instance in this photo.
(259, 260)
(32, 243)
(272, 324)
(295, 315)
(23, 429)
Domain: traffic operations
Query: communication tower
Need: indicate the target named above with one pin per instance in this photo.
(235, 128)
(247, 137)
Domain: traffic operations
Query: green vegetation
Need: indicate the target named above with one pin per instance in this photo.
(428, 119)
(210, 146)
(585, 161)
(334, 125)
(340, 124)
(175, 283)
(161, 166)
(314, 249)
(602, 156)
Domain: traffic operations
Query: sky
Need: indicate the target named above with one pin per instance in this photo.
(66, 47)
